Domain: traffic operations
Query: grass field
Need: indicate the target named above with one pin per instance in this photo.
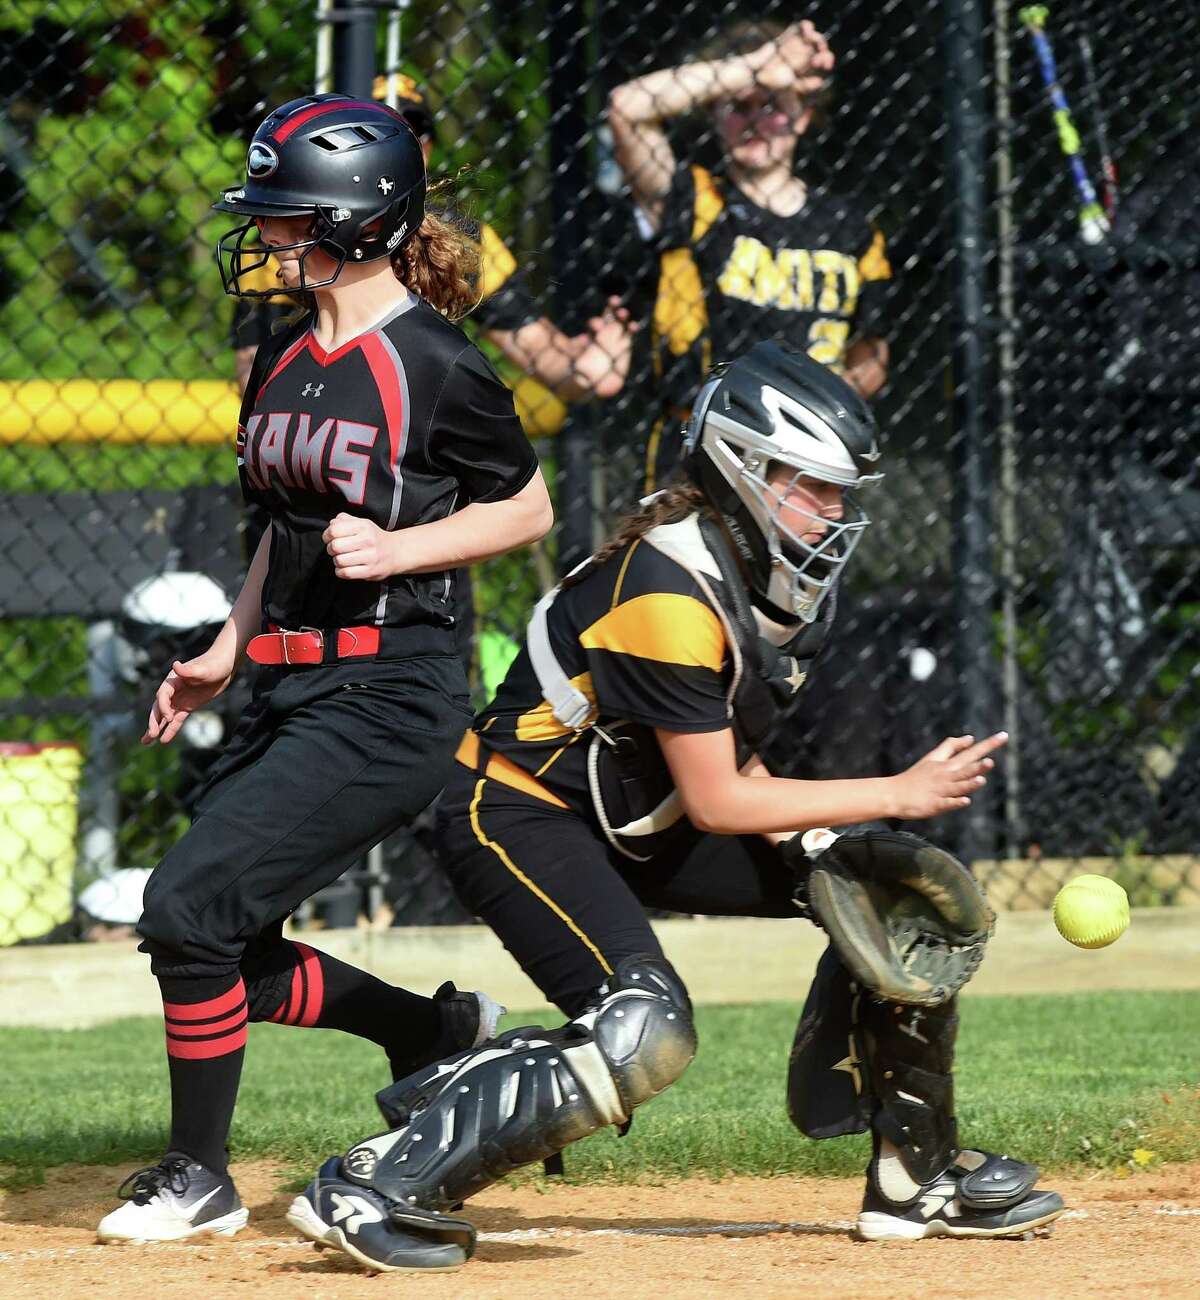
(1084, 1080)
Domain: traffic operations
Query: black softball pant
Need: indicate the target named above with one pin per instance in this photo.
(566, 904)
(325, 763)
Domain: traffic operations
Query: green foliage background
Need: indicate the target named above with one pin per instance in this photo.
(136, 172)
(1100, 1077)
(176, 88)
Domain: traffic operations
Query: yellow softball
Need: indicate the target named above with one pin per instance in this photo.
(1091, 911)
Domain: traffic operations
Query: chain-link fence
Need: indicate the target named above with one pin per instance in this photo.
(1033, 562)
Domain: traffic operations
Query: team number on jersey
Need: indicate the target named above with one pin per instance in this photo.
(296, 451)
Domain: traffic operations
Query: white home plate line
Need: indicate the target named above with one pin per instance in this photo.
(795, 1227)
(519, 1234)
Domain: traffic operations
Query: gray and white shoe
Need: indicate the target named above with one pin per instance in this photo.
(980, 1195)
(379, 1234)
(174, 1199)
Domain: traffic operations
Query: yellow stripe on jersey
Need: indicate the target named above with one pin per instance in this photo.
(541, 724)
(874, 265)
(663, 626)
(616, 596)
(680, 313)
(709, 203)
(496, 262)
(498, 849)
(499, 767)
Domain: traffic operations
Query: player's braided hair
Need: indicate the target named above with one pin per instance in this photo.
(675, 502)
(441, 261)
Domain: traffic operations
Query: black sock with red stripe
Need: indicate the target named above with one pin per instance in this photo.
(297, 985)
(206, 1041)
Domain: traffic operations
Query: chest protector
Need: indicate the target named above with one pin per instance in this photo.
(633, 796)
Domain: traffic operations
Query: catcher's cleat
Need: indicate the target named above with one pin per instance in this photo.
(468, 1021)
(382, 1235)
(174, 1199)
(980, 1195)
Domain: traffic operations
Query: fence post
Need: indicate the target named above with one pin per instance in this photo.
(570, 180)
(974, 582)
(354, 26)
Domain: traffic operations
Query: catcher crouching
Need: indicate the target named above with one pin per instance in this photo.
(619, 769)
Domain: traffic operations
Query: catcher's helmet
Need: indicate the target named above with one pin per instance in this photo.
(777, 406)
(353, 166)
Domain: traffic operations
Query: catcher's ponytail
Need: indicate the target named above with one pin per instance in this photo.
(674, 503)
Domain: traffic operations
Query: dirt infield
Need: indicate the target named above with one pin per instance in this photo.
(742, 1237)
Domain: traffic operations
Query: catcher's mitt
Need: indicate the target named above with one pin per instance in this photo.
(907, 918)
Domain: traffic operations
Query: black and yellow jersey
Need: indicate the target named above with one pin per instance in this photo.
(733, 273)
(643, 641)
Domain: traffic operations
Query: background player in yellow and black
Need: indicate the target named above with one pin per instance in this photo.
(751, 251)
(386, 453)
(616, 770)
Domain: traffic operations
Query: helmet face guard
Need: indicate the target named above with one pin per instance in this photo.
(774, 407)
(241, 253)
(353, 168)
(802, 573)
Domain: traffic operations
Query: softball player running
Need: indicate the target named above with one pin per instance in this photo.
(617, 769)
(387, 453)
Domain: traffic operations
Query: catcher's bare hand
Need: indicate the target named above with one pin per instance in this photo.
(190, 685)
(361, 550)
(946, 777)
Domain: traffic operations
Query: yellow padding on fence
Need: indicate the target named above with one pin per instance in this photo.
(195, 411)
(119, 410)
(38, 798)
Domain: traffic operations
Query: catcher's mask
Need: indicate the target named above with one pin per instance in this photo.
(353, 167)
(770, 407)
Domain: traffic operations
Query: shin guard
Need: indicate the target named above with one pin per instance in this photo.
(468, 1121)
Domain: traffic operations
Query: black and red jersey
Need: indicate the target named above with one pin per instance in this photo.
(402, 425)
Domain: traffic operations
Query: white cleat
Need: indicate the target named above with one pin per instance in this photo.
(173, 1200)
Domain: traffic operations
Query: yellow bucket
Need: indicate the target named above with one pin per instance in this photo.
(38, 814)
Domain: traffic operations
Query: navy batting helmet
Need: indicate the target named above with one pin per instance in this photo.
(353, 166)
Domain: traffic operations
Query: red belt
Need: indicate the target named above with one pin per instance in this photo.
(308, 647)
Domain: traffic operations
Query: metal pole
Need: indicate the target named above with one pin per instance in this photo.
(323, 77)
(1010, 575)
(570, 179)
(391, 51)
(354, 47)
(966, 90)
(350, 68)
